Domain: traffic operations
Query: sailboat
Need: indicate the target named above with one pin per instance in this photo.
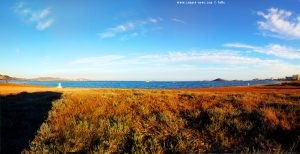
(59, 85)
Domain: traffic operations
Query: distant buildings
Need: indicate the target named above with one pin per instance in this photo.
(296, 77)
(293, 78)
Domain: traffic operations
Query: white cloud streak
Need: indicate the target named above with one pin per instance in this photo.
(271, 49)
(181, 65)
(178, 20)
(181, 58)
(41, 18)
(210, 57)
(280, 23)
(36, 16)
(98, 60)
(135, 28)
(41, 25)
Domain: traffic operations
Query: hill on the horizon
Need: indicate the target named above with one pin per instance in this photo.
(56, 79)
(6, 77)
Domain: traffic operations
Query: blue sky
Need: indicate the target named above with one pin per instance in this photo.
(150, 39)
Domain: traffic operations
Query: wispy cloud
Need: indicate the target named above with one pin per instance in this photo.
(185, 65)
(176, 57)
(178, 20)
(271, 49)
(36, 16)
(133, 28)
(203, 57)
(45, 24)
(280, 23)
(41, 18)
(98, 60)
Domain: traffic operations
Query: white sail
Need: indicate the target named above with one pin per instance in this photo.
(59, 85)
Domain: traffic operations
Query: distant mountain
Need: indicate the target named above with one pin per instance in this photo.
(81, 79)
(219, 79)
(6, 77)
(56, 79)
(48, 79)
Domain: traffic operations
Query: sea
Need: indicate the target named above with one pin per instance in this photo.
(144, 84)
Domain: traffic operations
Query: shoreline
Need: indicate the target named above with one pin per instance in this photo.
(242, 83)
(280, 87)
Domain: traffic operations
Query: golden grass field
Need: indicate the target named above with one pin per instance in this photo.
(36, 119)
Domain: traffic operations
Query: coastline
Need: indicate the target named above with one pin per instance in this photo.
(144, 84)
(279, 87)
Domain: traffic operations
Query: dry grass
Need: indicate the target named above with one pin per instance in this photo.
(242, 119)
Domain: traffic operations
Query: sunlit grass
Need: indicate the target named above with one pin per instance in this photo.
(158, 121)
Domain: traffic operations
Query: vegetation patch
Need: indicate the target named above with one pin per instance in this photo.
(143, 121)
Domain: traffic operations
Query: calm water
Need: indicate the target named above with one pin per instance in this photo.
(143, 84)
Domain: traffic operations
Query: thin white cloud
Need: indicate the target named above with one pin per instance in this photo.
(271, 49)
(41, 25)
(36, 16)
(239, 45)
(182, 58)
(41, 19)
(112, 32)
(98, 60)
(178, 20)
(153, 20)
(280, 23)
(203, 57)
(135, 28)
(184, 65)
